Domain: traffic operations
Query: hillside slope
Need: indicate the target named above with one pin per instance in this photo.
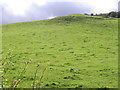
(77, 50)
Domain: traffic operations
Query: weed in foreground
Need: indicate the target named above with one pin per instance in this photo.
(16, 82)
(38, 83)
(8, 63)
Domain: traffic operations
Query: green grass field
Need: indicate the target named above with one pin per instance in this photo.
(74, 51)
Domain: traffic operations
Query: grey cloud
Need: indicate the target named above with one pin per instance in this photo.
(119, 6)
(36, 12)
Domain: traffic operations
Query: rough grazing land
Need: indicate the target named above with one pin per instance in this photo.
(75, 51)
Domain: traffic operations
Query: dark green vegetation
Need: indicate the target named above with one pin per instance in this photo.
(75, 51)
(107, 15)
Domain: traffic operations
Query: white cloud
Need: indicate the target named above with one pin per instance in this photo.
(19, 7)
(52, 17)
(104, 6)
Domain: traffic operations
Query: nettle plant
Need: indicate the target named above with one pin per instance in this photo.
(14, 68)
(11, 64)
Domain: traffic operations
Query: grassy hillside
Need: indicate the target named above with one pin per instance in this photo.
(75, 51)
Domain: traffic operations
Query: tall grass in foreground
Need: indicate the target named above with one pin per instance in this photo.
(37, 84)
(9, 63)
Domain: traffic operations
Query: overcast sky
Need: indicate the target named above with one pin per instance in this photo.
(12, 11)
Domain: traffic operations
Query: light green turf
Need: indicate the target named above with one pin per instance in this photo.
(79, 51)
